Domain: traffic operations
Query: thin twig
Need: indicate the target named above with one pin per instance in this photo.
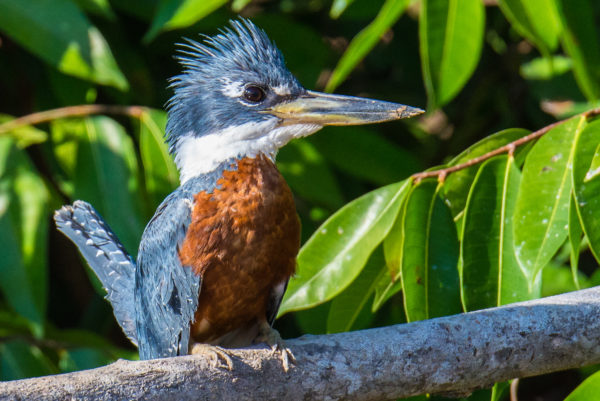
(70, 111)
(443, 173)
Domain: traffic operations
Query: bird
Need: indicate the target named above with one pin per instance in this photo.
(214, 261)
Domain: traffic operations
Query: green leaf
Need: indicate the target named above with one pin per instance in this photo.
(96, 7)
(83, 358)
(542, 211)
(490, 274)
(365, 40)
(347, 306)
(451, 37)
(338, 7)
(336, 253)
(308, 175)
(19, 360)
(238, 5)
(575, 232)
(580, 41)
(23, 136)
(546, 68)
(393, 247)
(160, 171)
(12, 324)
(365, 154)
(537, 21)
(594, 170)
(558, 279)
(385, 288)
(586, 182)
(456, 186)
(588, 390)
(430, 249)
(23, 234)
(60, 34)
(173, 14)
(106, 176)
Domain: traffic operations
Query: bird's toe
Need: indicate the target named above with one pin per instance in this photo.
(214, 354)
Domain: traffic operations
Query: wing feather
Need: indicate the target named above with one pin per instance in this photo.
(166, 293)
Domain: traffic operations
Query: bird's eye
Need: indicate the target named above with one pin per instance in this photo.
(254, 93)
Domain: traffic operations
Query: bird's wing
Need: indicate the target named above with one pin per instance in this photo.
(275, 300)
(166, 293)
(106, 256)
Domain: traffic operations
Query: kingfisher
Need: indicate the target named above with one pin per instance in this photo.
(214, 261)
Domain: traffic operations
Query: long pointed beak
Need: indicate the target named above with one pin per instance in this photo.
(325, 109)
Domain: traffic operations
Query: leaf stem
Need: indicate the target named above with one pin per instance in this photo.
(442, 173)
(70, 111)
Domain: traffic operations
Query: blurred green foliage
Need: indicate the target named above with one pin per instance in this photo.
(516, 227)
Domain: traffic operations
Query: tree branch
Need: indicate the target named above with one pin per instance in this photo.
(70, 111)
(508, 148)
(451, 355)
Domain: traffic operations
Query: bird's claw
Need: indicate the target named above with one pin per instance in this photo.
(271, 337)
(214, 353)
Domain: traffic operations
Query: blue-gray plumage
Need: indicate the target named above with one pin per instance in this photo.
(108, 258)
(214, 261)
(166, 294)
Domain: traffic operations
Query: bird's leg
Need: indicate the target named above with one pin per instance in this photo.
(270, 336)
(214, 353)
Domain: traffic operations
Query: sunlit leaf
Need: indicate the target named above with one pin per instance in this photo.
(545, 68)
(587, 184)
(365, 40)
(347, 306)
(430, 250)
(333, 257)
(490, 274)
(451, 37)
(338, 7)
(456, 186)
(173, 14)
(542, 210)
(160, 172)
(594, 170)
(60, 34)
(575, 232)
(580, 41)
(393, 248)
(538, 21)
(586, 391)
(238, 5)
(23, 136)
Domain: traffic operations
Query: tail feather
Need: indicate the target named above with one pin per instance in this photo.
(106, 256)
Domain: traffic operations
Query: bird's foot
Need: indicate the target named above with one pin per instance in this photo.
(271, 337)
(214, 353)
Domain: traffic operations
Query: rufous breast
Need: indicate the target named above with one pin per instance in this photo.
(243, 240)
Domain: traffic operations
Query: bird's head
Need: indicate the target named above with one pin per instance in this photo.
(236, 98)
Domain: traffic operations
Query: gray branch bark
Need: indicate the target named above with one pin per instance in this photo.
(455, 354)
